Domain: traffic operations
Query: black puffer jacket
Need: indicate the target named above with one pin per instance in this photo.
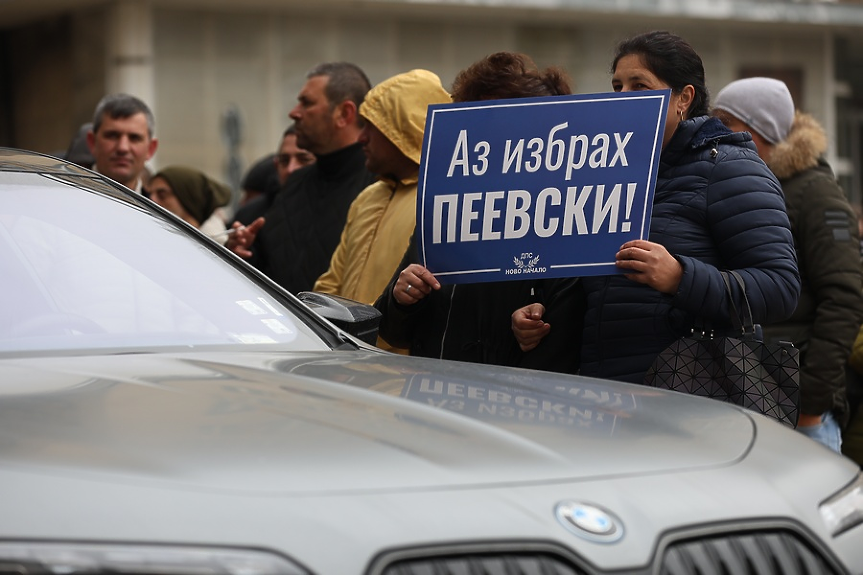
(472, 322)
(717, 206)
(830, 309)
(305, 222)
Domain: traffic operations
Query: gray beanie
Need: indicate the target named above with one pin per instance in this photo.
(763, 104)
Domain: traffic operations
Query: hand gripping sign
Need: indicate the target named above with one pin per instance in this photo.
(537, 187)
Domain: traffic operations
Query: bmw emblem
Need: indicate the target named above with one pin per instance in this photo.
(589, 521)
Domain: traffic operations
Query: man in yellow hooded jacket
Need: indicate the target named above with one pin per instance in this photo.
(382, 218)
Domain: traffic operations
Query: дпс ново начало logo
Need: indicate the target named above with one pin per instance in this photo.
(526, 263)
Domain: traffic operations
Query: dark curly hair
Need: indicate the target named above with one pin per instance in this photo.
(507, 75)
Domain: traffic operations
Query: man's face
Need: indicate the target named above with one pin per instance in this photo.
(291, 158)
(314, 117)
(121, 147)
(382, 156)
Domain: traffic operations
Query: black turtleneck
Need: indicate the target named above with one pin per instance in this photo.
(304, 224)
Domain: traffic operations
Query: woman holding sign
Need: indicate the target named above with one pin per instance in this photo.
(471, 322)
(716, 207)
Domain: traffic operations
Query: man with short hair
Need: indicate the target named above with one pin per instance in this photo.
(290, 157)
(122, 139)
(270, 174)
(294, 241)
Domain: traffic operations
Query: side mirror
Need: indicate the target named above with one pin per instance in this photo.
(358, 319)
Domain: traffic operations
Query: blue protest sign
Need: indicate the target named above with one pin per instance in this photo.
(537, 187)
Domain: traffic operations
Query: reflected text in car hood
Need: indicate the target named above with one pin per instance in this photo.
(262, 422)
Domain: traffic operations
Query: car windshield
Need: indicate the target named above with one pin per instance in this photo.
(88, 271)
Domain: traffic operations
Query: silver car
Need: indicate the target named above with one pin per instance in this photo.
(165, 409)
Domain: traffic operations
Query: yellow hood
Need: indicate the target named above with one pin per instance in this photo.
(397, 107)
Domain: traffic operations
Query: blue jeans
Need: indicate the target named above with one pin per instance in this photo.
(827, 432)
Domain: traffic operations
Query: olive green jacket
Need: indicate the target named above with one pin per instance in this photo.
(830, 309)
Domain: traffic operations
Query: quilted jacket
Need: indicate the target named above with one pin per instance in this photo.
(716, 206)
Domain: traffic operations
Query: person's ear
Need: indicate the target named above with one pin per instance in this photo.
(151, 149)
(687, 96)
(91, 141)
(346, 114)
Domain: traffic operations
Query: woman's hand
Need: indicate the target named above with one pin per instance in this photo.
(528, 327)
(650, 264)
(414, 283)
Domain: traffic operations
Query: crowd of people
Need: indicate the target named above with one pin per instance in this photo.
(742, 186)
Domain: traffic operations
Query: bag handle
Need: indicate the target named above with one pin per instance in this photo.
(746, 325)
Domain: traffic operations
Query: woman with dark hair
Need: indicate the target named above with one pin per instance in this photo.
(471, 322)
(716, 207)
(193, 196)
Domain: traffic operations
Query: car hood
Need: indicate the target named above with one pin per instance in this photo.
(345, 422)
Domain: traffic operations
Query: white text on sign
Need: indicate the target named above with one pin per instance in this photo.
(548, 153)
(477, 216)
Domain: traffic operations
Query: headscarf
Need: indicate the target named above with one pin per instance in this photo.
(197, 193)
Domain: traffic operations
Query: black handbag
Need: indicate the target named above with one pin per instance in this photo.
(741, 370)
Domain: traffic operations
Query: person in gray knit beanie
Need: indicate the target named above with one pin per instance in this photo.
(763, 104)
(830, 309)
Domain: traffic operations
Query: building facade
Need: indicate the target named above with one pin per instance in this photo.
(222, 76)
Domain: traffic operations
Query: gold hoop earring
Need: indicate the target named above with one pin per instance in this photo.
(682, 115)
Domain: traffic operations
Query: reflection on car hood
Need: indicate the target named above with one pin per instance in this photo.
(312, 423)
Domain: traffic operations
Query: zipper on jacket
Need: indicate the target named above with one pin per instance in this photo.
(446, 325)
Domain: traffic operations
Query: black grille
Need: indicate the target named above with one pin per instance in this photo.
(479, 564)
(761, 553)
(768, 548)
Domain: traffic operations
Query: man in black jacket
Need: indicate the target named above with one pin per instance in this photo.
(294, 241)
